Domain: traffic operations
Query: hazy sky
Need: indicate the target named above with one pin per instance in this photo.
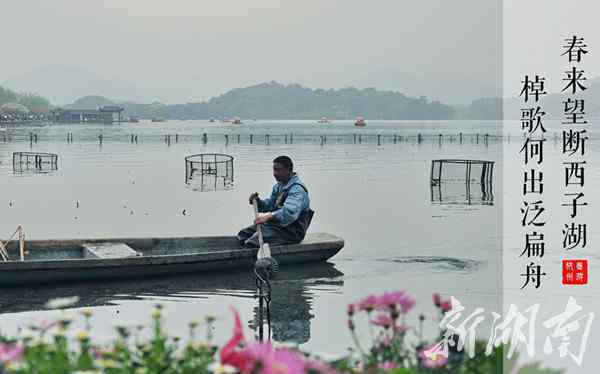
(179, 51)
(533, 37)
(184, 51)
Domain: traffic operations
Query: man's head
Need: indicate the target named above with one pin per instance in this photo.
(283, 168)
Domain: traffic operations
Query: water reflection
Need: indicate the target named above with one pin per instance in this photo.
(455, 181)
(291, 303)
(292, 294)
(462, 193)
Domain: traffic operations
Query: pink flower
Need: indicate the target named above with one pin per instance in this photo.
(383, 320)
(258, 351)
(402, 329)
(437, 300)
(446, 306)
(285, 361)
(387, 341)
(390, 299)
(387, 365)
(11, 352)
(99, 352)
(368, 303)
(434, 356)
(407, 304)
(273, 361)
(350, 324)
(393, 299)
(350, 310)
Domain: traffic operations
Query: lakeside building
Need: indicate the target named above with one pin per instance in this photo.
(105, 114)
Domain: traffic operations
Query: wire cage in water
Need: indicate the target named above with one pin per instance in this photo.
(209, 171)
(452, 180)
(34, 162)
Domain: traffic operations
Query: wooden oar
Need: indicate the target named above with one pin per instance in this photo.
(264, 251)
(264, 268)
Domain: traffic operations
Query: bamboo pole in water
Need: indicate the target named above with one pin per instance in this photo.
(21, 243)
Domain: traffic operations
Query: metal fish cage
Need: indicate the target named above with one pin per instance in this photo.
(452, 180)
(209, 171)
(34, 162)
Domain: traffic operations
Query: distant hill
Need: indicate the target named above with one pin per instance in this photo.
(495, 108)
(275, 100)
(90, 102)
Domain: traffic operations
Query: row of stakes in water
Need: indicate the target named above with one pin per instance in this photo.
(356, 139)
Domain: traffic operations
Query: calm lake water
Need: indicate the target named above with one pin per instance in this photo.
(377, 197)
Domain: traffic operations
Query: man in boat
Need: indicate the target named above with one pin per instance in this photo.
(286, 214)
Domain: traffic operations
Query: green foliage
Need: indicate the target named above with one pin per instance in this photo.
(7, 96)
(55, 353)
(33, 102)
(482, 363)
(535, 368)
(53, 348)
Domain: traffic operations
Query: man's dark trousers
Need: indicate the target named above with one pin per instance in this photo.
(273, 233)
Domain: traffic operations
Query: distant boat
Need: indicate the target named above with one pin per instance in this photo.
(211, 119)
(360, 122)
(323, 120)
(134, 119)
(236, 121)
(158, 119)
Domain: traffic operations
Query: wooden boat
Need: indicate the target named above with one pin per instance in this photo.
(360, 122)
(49, 261)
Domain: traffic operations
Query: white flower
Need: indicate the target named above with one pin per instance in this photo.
(87, 313)
(28, 334)
(81, 335)
(217, 368)
(62, 302)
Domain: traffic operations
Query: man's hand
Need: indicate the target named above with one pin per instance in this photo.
(263, 217)
(252, 197)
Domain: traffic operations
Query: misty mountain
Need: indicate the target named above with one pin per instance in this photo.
(278, 101)
(275, 100)
(90, 102)
(293, 101)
